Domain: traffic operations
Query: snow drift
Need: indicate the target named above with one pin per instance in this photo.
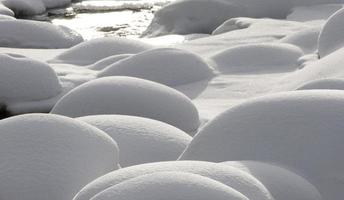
(25, 79)
(34, 34)
(170, 185)
(253, 58)
(230, 176)
(46, 156)
(130, 96)
(301, 131)
(168, 66)
(141, 140)
(94, 50)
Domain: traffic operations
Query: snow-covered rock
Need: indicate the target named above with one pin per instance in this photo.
(282, 183)
(230, 176)
(170, 185)
(167, 66)
(307, 39)
(253, 58)
(130, 96)
(102, 64)
(330, 38)
(316, 11)
(301, 131)
(5, 10)
(94, 50)
(324, 84)
(25, 79)
(47, 156)
(34, 34)
(141, 140)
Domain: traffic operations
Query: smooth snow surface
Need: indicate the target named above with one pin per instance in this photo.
(230, 176)
(301, 131)
(258, 58)
(25, 79)
(282, 183)
(130, 96)
(33, 7)
(46, 156)
(170, 185)
(330, 38)
(106, 62)
(33, 34)
(324, 84)
(141, 140)
(94, 50)
(167, 66)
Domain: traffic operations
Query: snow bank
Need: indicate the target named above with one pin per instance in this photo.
(230, 176)
(46, 156)
(141, 140)
(167, 66)
(307, 39)
(253, 58)
(34, 34)
(301, 131)
(330, 38)
(94, 50)
(102, 64)
(170, 185)
(24, 79)
(329, 84)
(130, 96)
(282, 183)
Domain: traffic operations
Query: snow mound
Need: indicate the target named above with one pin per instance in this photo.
(307, 39)
(130, 96)
(5, 11)
(167, 66)
(24, 79)
(324, 84)
(170, 185)
(330, 38)
(282, 183)
(47, 156)
(102, 64)
(253, 58)
(141, 140)
(299, 130)
(230, 176)
(94, 50)
(192, 16)
(34, 34)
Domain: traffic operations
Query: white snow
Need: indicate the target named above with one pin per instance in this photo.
(170, 185)
(25, 79)
(33, 34)
(45, 156)
(230, 176)
(301, 131)
(94, 50)
(282, 183)
(258, 58)
(167, 66)
(325, 84)
(102, 64)
(141, 140)
(5, 11)
(330, 38)
(130, 96)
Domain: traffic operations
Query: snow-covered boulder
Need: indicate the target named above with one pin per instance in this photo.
(5, 10)
(34, 34)
(24, 79)
(170, 185)
(324, 84)
(167, 66)
(330, 38)
(253, 58)
(94, 50)
(130, 96)
(46, 156)
(103, 63)
(230, 176)
(141, 140)
(307, 39)
(282, 183)
(301, 131)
